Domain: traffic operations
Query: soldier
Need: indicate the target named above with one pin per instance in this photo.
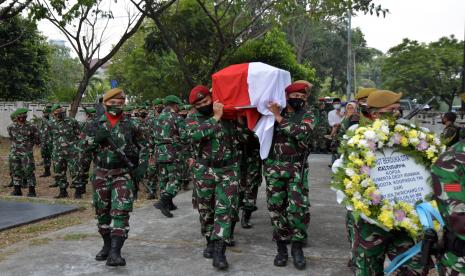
(216, 171)
(64, 134)
(45, 142)
(127, 111)
(451, 133)
(186, 152)
(23, 135)
(116, 144)
(285, 171)
(152, 170)
(84, 157)
(251, 178)
(168, 134)
(321, 128)
(371, 243)
(449, 192)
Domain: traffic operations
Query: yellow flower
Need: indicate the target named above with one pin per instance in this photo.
(405, 206)
(360, 130)
(430, 154)
(369, 160)
(369, 191)
(399, 128)
(387, 218)
(360, 206)
(413, 134)
(358, 162)
(377, 124)
(404, 141)
(355, 178)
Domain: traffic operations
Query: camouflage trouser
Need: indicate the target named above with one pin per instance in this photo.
(151, 177)
(46, 153)
(370, 244)
(168, 178)
(63, 162)
(217, 199)
(287, 198)
(22, 168)
(251, 178)
(319, 142)
(112, 199)
(81, 176)
(451, 265)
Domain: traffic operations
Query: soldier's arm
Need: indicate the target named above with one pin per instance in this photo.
(301, 131)
(449, 135)
(142, 143)
(199, 131)
(35, 135)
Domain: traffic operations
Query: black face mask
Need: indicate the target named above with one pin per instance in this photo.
(159, 110)
(206, 110)
(297, 104)
(60, 116)
(22, 119)
(143, 114)
(47, 116)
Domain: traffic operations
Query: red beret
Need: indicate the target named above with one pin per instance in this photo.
(197, 93)
(297, 87)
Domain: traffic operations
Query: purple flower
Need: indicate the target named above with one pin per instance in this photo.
(423, 145)
(396, 138)
(372, 145)
(365, 170)
(399, 215)
(375, 198)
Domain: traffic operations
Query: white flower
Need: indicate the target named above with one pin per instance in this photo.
(345, 136)
(437, 141)
(369, 154)
(365, 183)
(363, 143)
(422, 136)
(414, 141)
(424, 129)
(370, 135)
(433, 148)
(350, 172)
(336, 165)
(390, 143)
(385, 129)
(357, 195)
(380, 144)
(353, 127)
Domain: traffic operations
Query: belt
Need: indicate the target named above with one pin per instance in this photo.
(111, 166)
(454, 244)
(218, 163)
(287, 158)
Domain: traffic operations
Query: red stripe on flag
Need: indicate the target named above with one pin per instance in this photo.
(454, 188)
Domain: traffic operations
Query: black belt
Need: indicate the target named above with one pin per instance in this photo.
(454, 244)
(218, 163)
(111, 166)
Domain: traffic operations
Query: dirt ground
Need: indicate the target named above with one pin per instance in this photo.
(45, 194)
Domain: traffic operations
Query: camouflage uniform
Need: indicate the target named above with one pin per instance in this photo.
(84, 156)
(451, 135)
(319, 142)
(251, 173)
(21, 157)
(152, 170)
(287, 187)
(64, 134)
(168, 133)
(449, 192)
(216, 173)
(113, 186)
(44, 126)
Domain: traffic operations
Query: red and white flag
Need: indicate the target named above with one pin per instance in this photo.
(249, 88)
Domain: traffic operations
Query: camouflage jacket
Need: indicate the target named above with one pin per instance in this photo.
(126, 136)
(292, 136)
(44, 126)
(215, 141)
(64, 134)
(168, 134)
(451, 135)
(22, 137)
(449, 187)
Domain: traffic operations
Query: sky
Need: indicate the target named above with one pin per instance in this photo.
(422, 20)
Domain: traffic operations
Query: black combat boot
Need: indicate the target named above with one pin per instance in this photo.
(63, 193)
(245, 220)
(208, 251)
(151, 196)
(78, 193)
(23, 183)
(32, 192)
(103, 253)
(298, 255)
(114, 256)
(171, 205)
(164, 206)
(282, 257)
(219, 257)
(232, 242)
(16, 191)
(46, 172)
(83, 189)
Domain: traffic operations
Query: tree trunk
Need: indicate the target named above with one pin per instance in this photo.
(80, 92)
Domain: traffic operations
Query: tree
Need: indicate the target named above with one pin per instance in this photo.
(65, 74)
(11, 8)
(23, 61)
(425, 70)
(85, 24)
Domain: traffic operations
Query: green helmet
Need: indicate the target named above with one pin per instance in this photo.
(18, 112)
(172, 99)
(157, 101)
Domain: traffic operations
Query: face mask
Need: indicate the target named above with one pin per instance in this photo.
(363, 109)
(47, 116)
(337, 106)
(296, 104)
(22, 119)
(60, 116)
(206, 110)
(143, 114)
(159, 110)
(114, 110)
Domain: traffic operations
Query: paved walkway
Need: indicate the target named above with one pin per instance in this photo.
(161, 246)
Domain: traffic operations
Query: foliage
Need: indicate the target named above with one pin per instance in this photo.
(23, 59)
(11, 8)
(65, 74)
(425, 70)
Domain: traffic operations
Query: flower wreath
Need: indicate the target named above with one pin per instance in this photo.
(351, 173)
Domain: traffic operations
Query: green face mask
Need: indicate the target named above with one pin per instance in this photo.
(114, 110)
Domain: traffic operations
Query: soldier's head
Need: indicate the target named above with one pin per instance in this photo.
(90, 113)
(46, 111)
(143, 111)
(127, 111)
(362, 95)
(321, 104)
(58, 112)
(449, 118)
(157, 105)
(172, 102)
(201, 98)
(19, 115)
(114, 100)
(384, 102)
(297, 94)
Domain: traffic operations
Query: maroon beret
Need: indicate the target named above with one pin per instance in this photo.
(297, 87)
(197, 93)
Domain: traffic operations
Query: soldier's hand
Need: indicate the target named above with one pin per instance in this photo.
(276, 110)
(217, 110)
(190, 162)
(101, 135)
(139, 172)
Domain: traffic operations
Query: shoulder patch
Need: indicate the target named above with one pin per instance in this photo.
(452, 188)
